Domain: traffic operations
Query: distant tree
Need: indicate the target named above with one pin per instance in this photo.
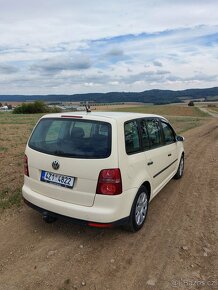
(9, 107)
(191, 104)
(0, 104)
(34, 108)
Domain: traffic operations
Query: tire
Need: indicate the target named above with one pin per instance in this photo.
(180, 170)
(139, 210)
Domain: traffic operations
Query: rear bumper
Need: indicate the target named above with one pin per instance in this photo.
(43, 211)
(106, 209)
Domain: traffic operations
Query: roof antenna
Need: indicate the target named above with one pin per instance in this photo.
(87, 106)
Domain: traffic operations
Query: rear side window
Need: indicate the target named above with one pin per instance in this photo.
(131, 137)
(154, 133)
(72, 138)
(144, 134)
(169, 135)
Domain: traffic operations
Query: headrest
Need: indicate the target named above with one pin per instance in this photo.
(77, 133)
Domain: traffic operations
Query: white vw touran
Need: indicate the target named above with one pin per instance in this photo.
(100, 168)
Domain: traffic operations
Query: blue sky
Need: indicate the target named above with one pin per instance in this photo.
(69, 46)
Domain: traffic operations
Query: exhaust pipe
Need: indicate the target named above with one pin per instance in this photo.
(48, 218)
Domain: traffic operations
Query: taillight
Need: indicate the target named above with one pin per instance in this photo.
(26, 168)
(109, 182)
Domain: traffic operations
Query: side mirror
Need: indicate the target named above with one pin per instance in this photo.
(180, 138)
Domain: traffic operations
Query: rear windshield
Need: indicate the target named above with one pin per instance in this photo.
(72, 138)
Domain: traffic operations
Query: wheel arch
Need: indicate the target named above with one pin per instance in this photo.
(147, 185)
(131, 226)
(182, 156)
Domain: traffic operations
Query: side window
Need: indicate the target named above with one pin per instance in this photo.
(131, 137)
(154, 133)
(144, 133)
(169, 136)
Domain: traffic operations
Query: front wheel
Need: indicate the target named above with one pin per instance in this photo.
(139, 210)
(180, 170)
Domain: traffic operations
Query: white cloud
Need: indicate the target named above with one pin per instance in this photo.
(63, 45)
(54, 65)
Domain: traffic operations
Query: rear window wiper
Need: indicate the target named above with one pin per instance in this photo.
(60, 153)
(64, 154)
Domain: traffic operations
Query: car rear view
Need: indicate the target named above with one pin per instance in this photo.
(100, 168)
(67, 160)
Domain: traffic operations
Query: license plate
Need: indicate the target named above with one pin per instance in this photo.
(58, 179)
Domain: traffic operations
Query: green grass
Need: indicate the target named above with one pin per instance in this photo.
(183, 124)
(213, 109)
(200, 113)
(9, 118)
(9, 199)
(3, 149)
(166, 110)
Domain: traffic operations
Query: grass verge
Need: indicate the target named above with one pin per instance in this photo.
(167, 110)
(9, 199)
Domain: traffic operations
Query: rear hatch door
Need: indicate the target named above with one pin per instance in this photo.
(65, 157)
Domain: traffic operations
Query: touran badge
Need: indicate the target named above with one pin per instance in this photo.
(55, 164)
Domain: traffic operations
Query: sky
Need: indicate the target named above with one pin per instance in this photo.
(69, 46)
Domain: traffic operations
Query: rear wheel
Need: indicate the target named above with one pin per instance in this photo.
(139, 210)
(180, 170)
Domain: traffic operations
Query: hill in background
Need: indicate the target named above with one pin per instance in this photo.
(151, 96)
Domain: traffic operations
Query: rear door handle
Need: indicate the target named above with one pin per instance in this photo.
(169, 154)
(150, 163)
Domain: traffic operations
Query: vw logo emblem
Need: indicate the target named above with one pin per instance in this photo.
(55, 164)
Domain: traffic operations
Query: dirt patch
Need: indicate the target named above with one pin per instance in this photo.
(177, 246)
